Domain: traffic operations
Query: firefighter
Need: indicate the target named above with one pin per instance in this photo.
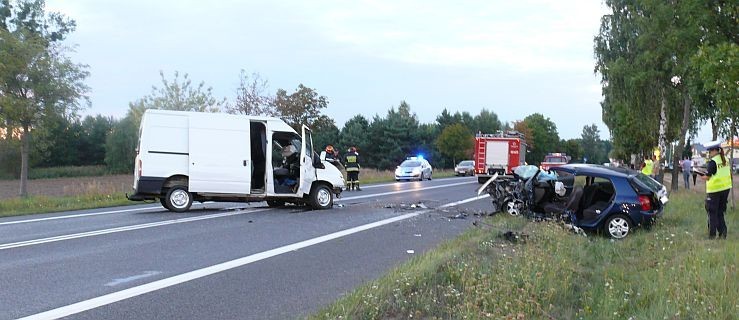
(351, 161)
(331, 155)
(718, 184)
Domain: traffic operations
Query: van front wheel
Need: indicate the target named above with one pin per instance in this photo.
(178, 199)
(321, 197)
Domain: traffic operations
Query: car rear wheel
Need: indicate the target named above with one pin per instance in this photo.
(618, 226)
(178, 199)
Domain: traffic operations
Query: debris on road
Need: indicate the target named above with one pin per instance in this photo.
(416, 235)
(340, 205)
(410, 251)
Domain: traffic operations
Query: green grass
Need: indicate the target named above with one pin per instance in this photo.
(669, 272)
(61, 172)
(42, 204)
(368, 176)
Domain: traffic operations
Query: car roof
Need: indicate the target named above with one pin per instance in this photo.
(584, 169)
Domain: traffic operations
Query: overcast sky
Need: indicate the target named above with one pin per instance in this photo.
(512, 57)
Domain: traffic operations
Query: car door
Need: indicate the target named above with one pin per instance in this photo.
(307, 171)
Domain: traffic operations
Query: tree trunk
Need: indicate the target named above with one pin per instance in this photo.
(25, 144)
(677, 154)
(714, 129)
(662, 137)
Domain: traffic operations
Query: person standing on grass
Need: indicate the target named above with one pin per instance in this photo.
(648, 166)
(718, 185)
(687, 166)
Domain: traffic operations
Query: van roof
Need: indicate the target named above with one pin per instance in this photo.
(276, 124)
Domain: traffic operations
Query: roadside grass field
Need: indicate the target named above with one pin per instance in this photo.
(671, 271)
(53, 195)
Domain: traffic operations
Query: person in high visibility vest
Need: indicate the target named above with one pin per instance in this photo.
(648, 166)
(351, 161)
(718, 185)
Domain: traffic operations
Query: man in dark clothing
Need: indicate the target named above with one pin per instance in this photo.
(351, 159)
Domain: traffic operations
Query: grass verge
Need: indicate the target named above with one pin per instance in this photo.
(62, 172)
(43, 204)
(368, 176)
(669, 272)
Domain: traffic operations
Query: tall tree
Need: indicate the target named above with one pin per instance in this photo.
(252, 97)
(355, 133)
(487, 122)
(456, 142)
(592, 146)
(36, 76)
(302, 107)
(544, 137)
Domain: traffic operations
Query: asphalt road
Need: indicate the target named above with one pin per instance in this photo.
(221, 261)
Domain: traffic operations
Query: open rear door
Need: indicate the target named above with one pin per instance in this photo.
(220, 155)
(307, 171)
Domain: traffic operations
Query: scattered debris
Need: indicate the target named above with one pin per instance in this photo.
(459, 216)
(416, 235)
(410, 251)
(340, 205)
(515, 236)
(250, 221)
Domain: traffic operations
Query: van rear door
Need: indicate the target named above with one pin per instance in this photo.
(220, 154)
(307, 171)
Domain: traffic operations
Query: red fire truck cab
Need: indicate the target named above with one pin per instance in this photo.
(498, 153)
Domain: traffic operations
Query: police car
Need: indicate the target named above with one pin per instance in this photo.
(414, 168)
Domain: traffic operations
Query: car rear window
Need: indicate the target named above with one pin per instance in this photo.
(650, 183)
(465, 163)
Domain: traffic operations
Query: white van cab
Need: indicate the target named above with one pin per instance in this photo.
(194, 156)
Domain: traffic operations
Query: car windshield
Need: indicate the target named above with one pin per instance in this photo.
(555, 160)
(465, 164)
(410, 164)
(649, 182)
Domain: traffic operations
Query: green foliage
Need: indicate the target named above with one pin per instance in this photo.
(456, 142)
(573, 148)
(302, 107)
(43, 204)
(120, 146)
(67, 172)
(355, 134)
(393, 138)
(670, 271)
(543, 139)
(592, 145)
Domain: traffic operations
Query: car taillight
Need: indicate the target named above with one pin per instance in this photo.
(141, 167)
(646, 203)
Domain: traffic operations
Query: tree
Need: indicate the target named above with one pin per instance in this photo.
(36, 76)
(573, 148)
(523, 127)
(251, 96)
(325, 132)
(486, 122)
(592, 146)
(302, 107)
(355, 133)
(544, 137)
(121, 144)
(456, 142)
(393, 138)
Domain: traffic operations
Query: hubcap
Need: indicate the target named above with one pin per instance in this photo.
(512, 208)
(618, 228)
(179, 198)
(324, 197)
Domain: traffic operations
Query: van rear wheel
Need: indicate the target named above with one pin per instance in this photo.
(178, 199)
(321, 197)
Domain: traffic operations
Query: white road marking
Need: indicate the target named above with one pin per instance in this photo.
(403, 191)
(146, 274)
(200, 273)
(400, 183)
(26, 243)
(81, 215)
(32, 242)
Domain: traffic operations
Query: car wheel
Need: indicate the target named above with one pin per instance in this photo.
(275, 203)
(430, 174)
(618, 226)
(321, 197)
(163, 201)
(178, 199)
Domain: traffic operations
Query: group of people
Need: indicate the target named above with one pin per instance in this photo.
(349, 163)
(718, 185)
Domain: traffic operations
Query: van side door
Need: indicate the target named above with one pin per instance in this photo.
(307, 171)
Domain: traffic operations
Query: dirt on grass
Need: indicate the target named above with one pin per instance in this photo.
(69, 186)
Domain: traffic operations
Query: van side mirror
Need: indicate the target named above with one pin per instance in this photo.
(317, 161)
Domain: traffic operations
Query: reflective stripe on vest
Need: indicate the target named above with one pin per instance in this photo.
(722, 179)
(648, 167)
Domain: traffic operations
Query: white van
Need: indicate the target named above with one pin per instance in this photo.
(193, 156)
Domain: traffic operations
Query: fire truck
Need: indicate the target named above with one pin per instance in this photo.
(498, 153)
(552, 160)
